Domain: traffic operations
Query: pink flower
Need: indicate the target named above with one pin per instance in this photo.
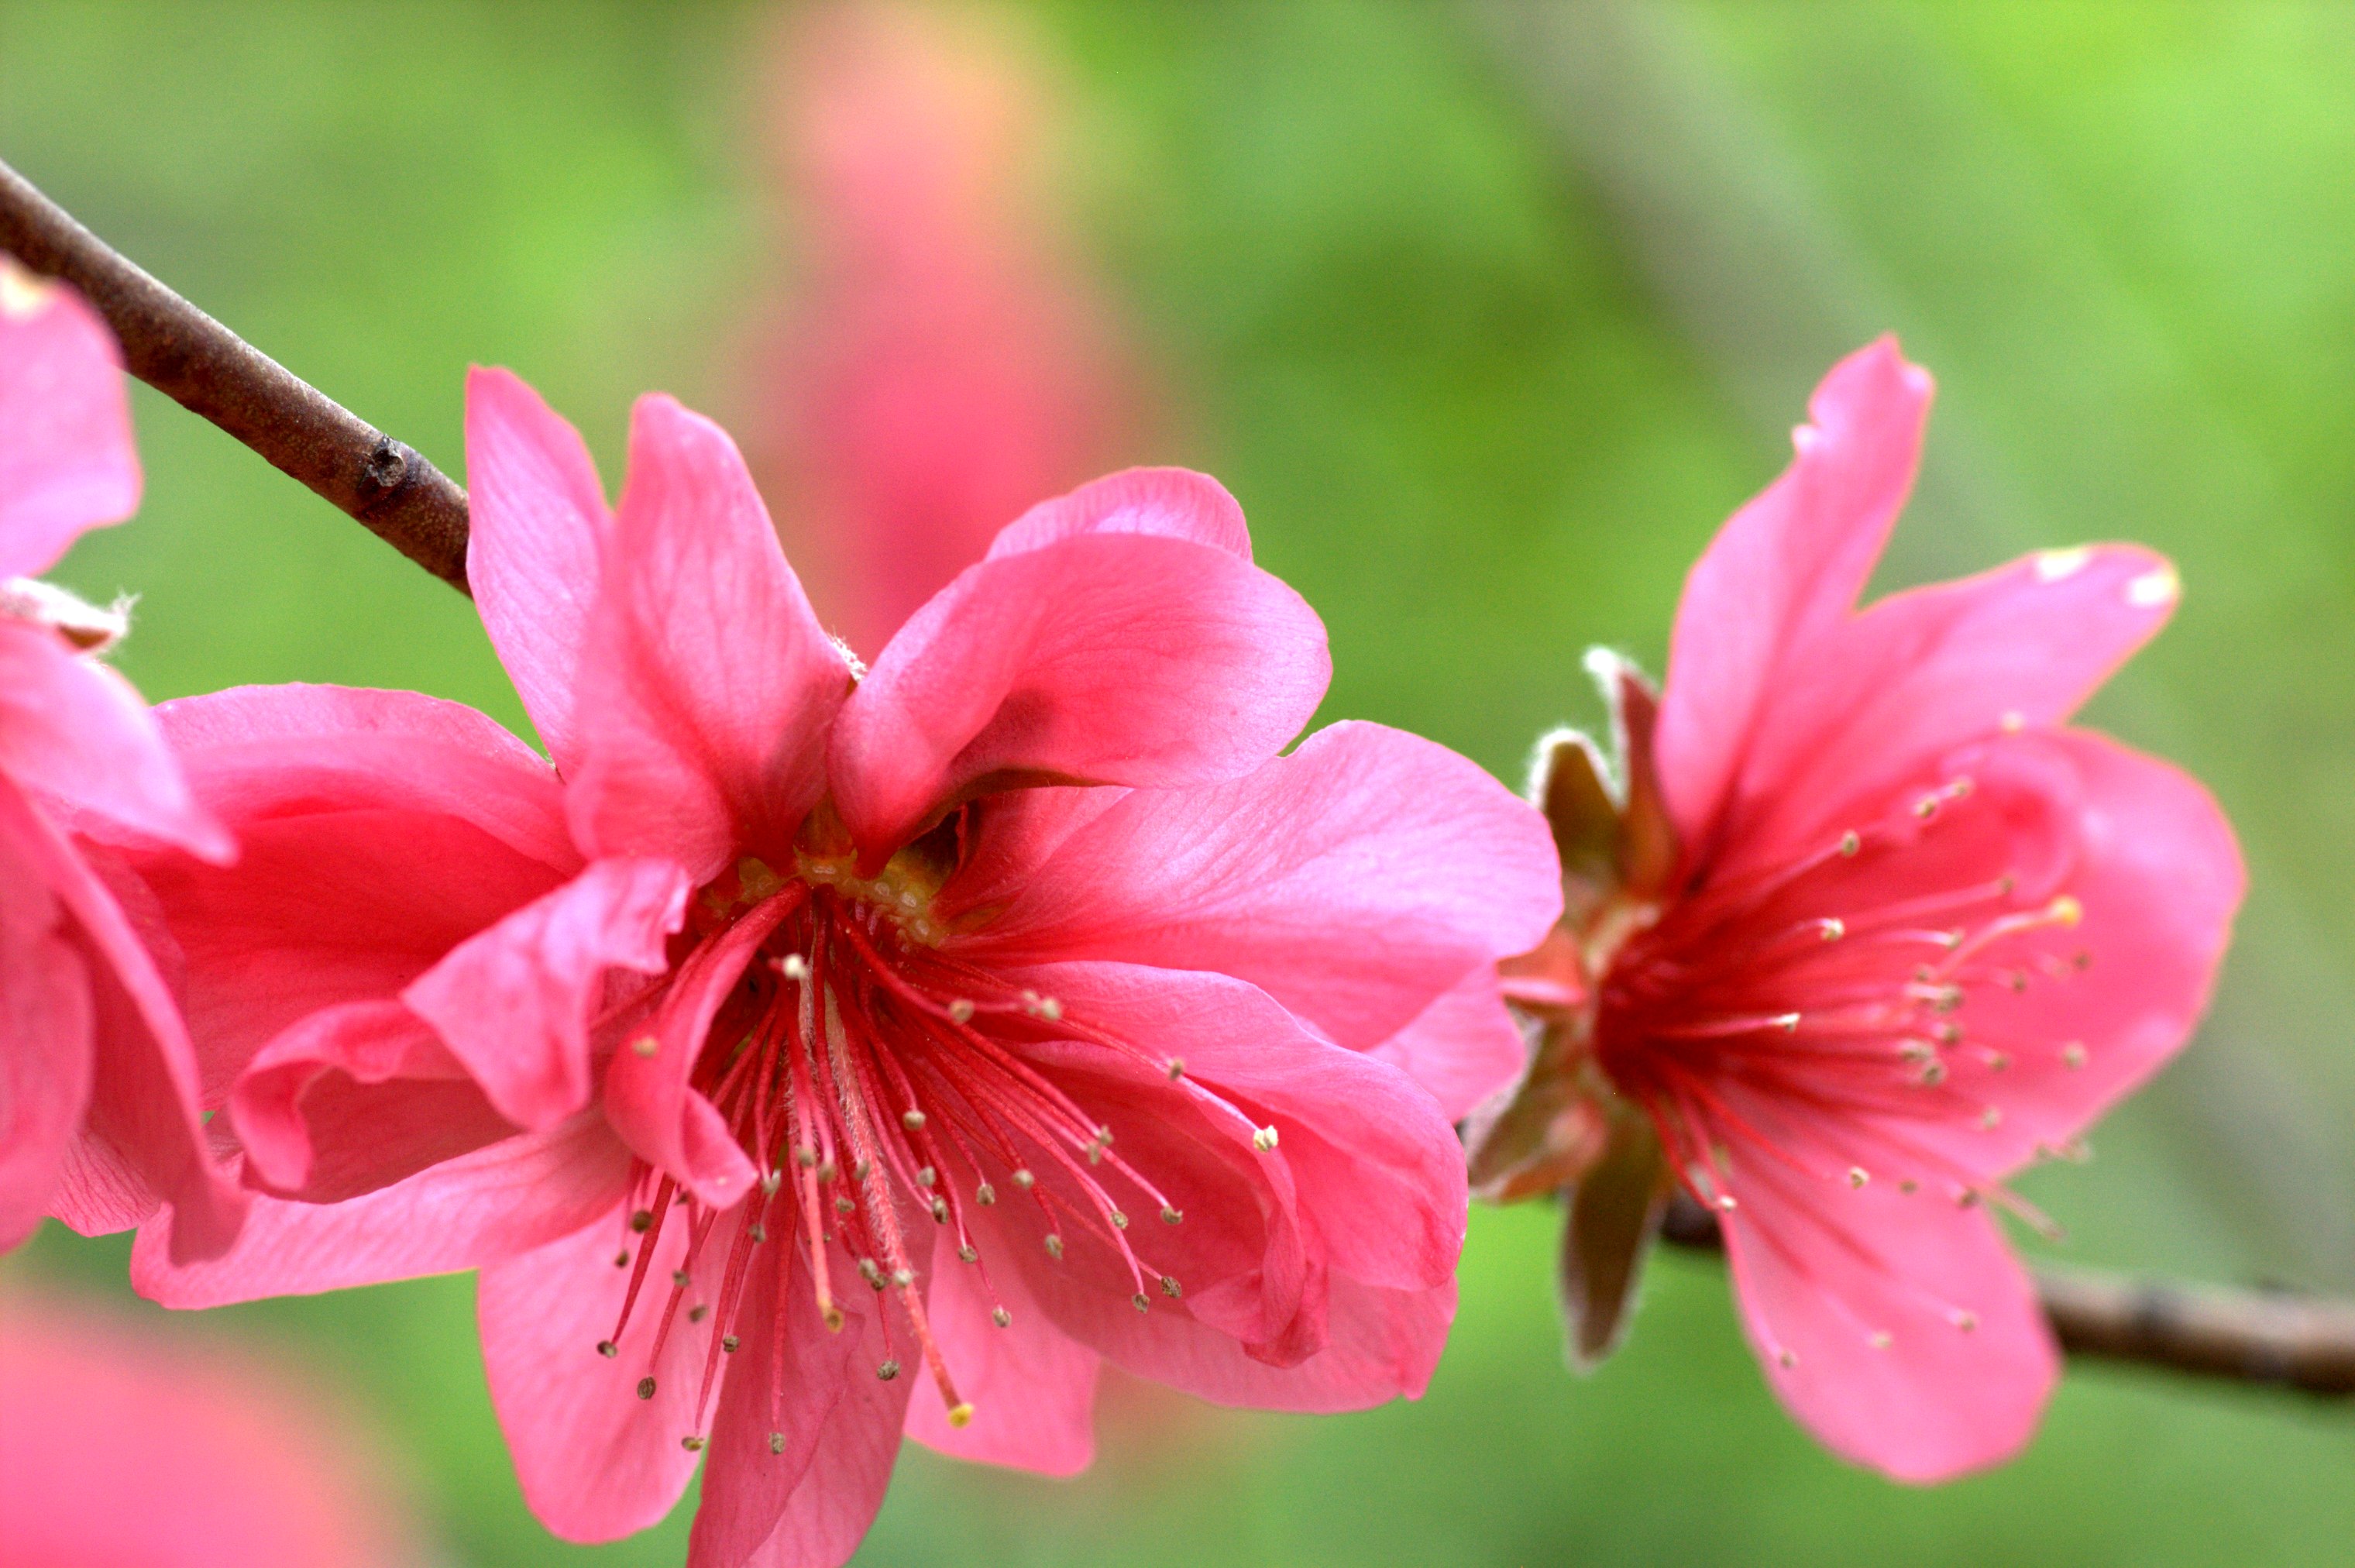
(859, 1045)
(120, 1448)
(946, 361)
(98, 1084)
(1861, 929)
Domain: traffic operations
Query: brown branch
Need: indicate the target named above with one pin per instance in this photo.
(2279, 1337)
(207, 369)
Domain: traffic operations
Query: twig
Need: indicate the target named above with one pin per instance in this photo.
(2279, 1337)
(207, 369)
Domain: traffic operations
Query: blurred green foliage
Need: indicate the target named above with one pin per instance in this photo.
(1490, 318)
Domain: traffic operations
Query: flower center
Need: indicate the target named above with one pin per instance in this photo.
(1837, 987)
(876, 1081)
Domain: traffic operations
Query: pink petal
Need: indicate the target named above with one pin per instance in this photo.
(1032, 1386)
(708, 685)
(596, 1461)
(379, 830)
(1967, 1364)
(354, 1098)
(1356, 880)
(45, 1038)
(515, 1003)
(809, 1498)
(143, 1100)
(499, 1203)
(2160, 878)
(536, 551)
(1782, 573)
(72, 730)
(647, 1096)
(1462, 1048)
(1105, 657)
(67, 462)
(1889, 691)
(1173, 503)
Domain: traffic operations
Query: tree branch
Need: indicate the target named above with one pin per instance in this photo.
(207, 369)
(2280, 1338)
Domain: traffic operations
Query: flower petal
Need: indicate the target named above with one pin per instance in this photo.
(1923, 672)
(354, 1098)
(538, 546)
(67, 462)
(708, 685)
(515, 1003)
(648, 1097)
(1175, 503)
(1968, 1363)
(499, 1203)
(803, 1444)
(45, 1039)
(1784, 570)
(72, 730)
(1356, 880)
(1105, 658)
(1032, 1387)
(1464, 1048)
(597, 1462)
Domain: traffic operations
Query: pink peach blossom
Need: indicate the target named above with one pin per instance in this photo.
(966, 1021)
(98, 1109)
(122, 1446)
(944, 359)
(1860, 929)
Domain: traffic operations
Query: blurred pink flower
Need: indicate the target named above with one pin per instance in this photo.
(98, 1088)
(1861, 929)
(123, 1448)
(945, 360)
(824, 993)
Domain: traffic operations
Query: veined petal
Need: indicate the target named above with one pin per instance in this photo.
(1103, 657)
(1356, 880)
(499, 1203)
(536, 553)
(515, 1003)
(1897, 1328)
(73, 729)
(67, 463)
(708, 685)
(1783, 573)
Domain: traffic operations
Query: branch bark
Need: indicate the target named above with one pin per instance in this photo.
(2284, 1338)
(207, 369)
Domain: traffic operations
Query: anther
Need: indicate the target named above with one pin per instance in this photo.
(887, 1371)
(621, 1258)
(961, 1011)
(728, 1343)
(1909, 1187)
(607, 1349)
(828, 1172)
(870, 1272)
(926, 1176)
(691, 1443)
(1968, 1198)
(1927, 807)
(1264, 1139)
(2065, 910)
(985, 1195)
(1850, 843)
(776, 1441)
(698, 1312)
(1990, 1118)
(1176, 1068)
(941, 1209)
(805, 1158)
(1786, 1358)
(1171, 1216)
(795, 967)
(1002, 1318)
(645, 1045)
(1054, 1245)
(1725, 1201)
(642, 1220)
(1140, 1303)
(1119, 1221)
(681, 1278)
(770, 1181)
(645, 1388)
(760, 1232)
(2073, 1056)
(912, 1120)
(1932, 1074)
(968, 1255)
(1878, 1340)
(1170, 1288)
(1857, 1176)
(961, 1414)
(1966, 1321)
(1833, 929)
(903, 1277)
(1023, 1179)
(845, 1206)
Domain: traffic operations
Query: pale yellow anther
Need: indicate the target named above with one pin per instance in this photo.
(961, 1414)
(1263, 1139)
(645, 1045)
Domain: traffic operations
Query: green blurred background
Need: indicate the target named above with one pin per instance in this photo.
(1489, 315)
